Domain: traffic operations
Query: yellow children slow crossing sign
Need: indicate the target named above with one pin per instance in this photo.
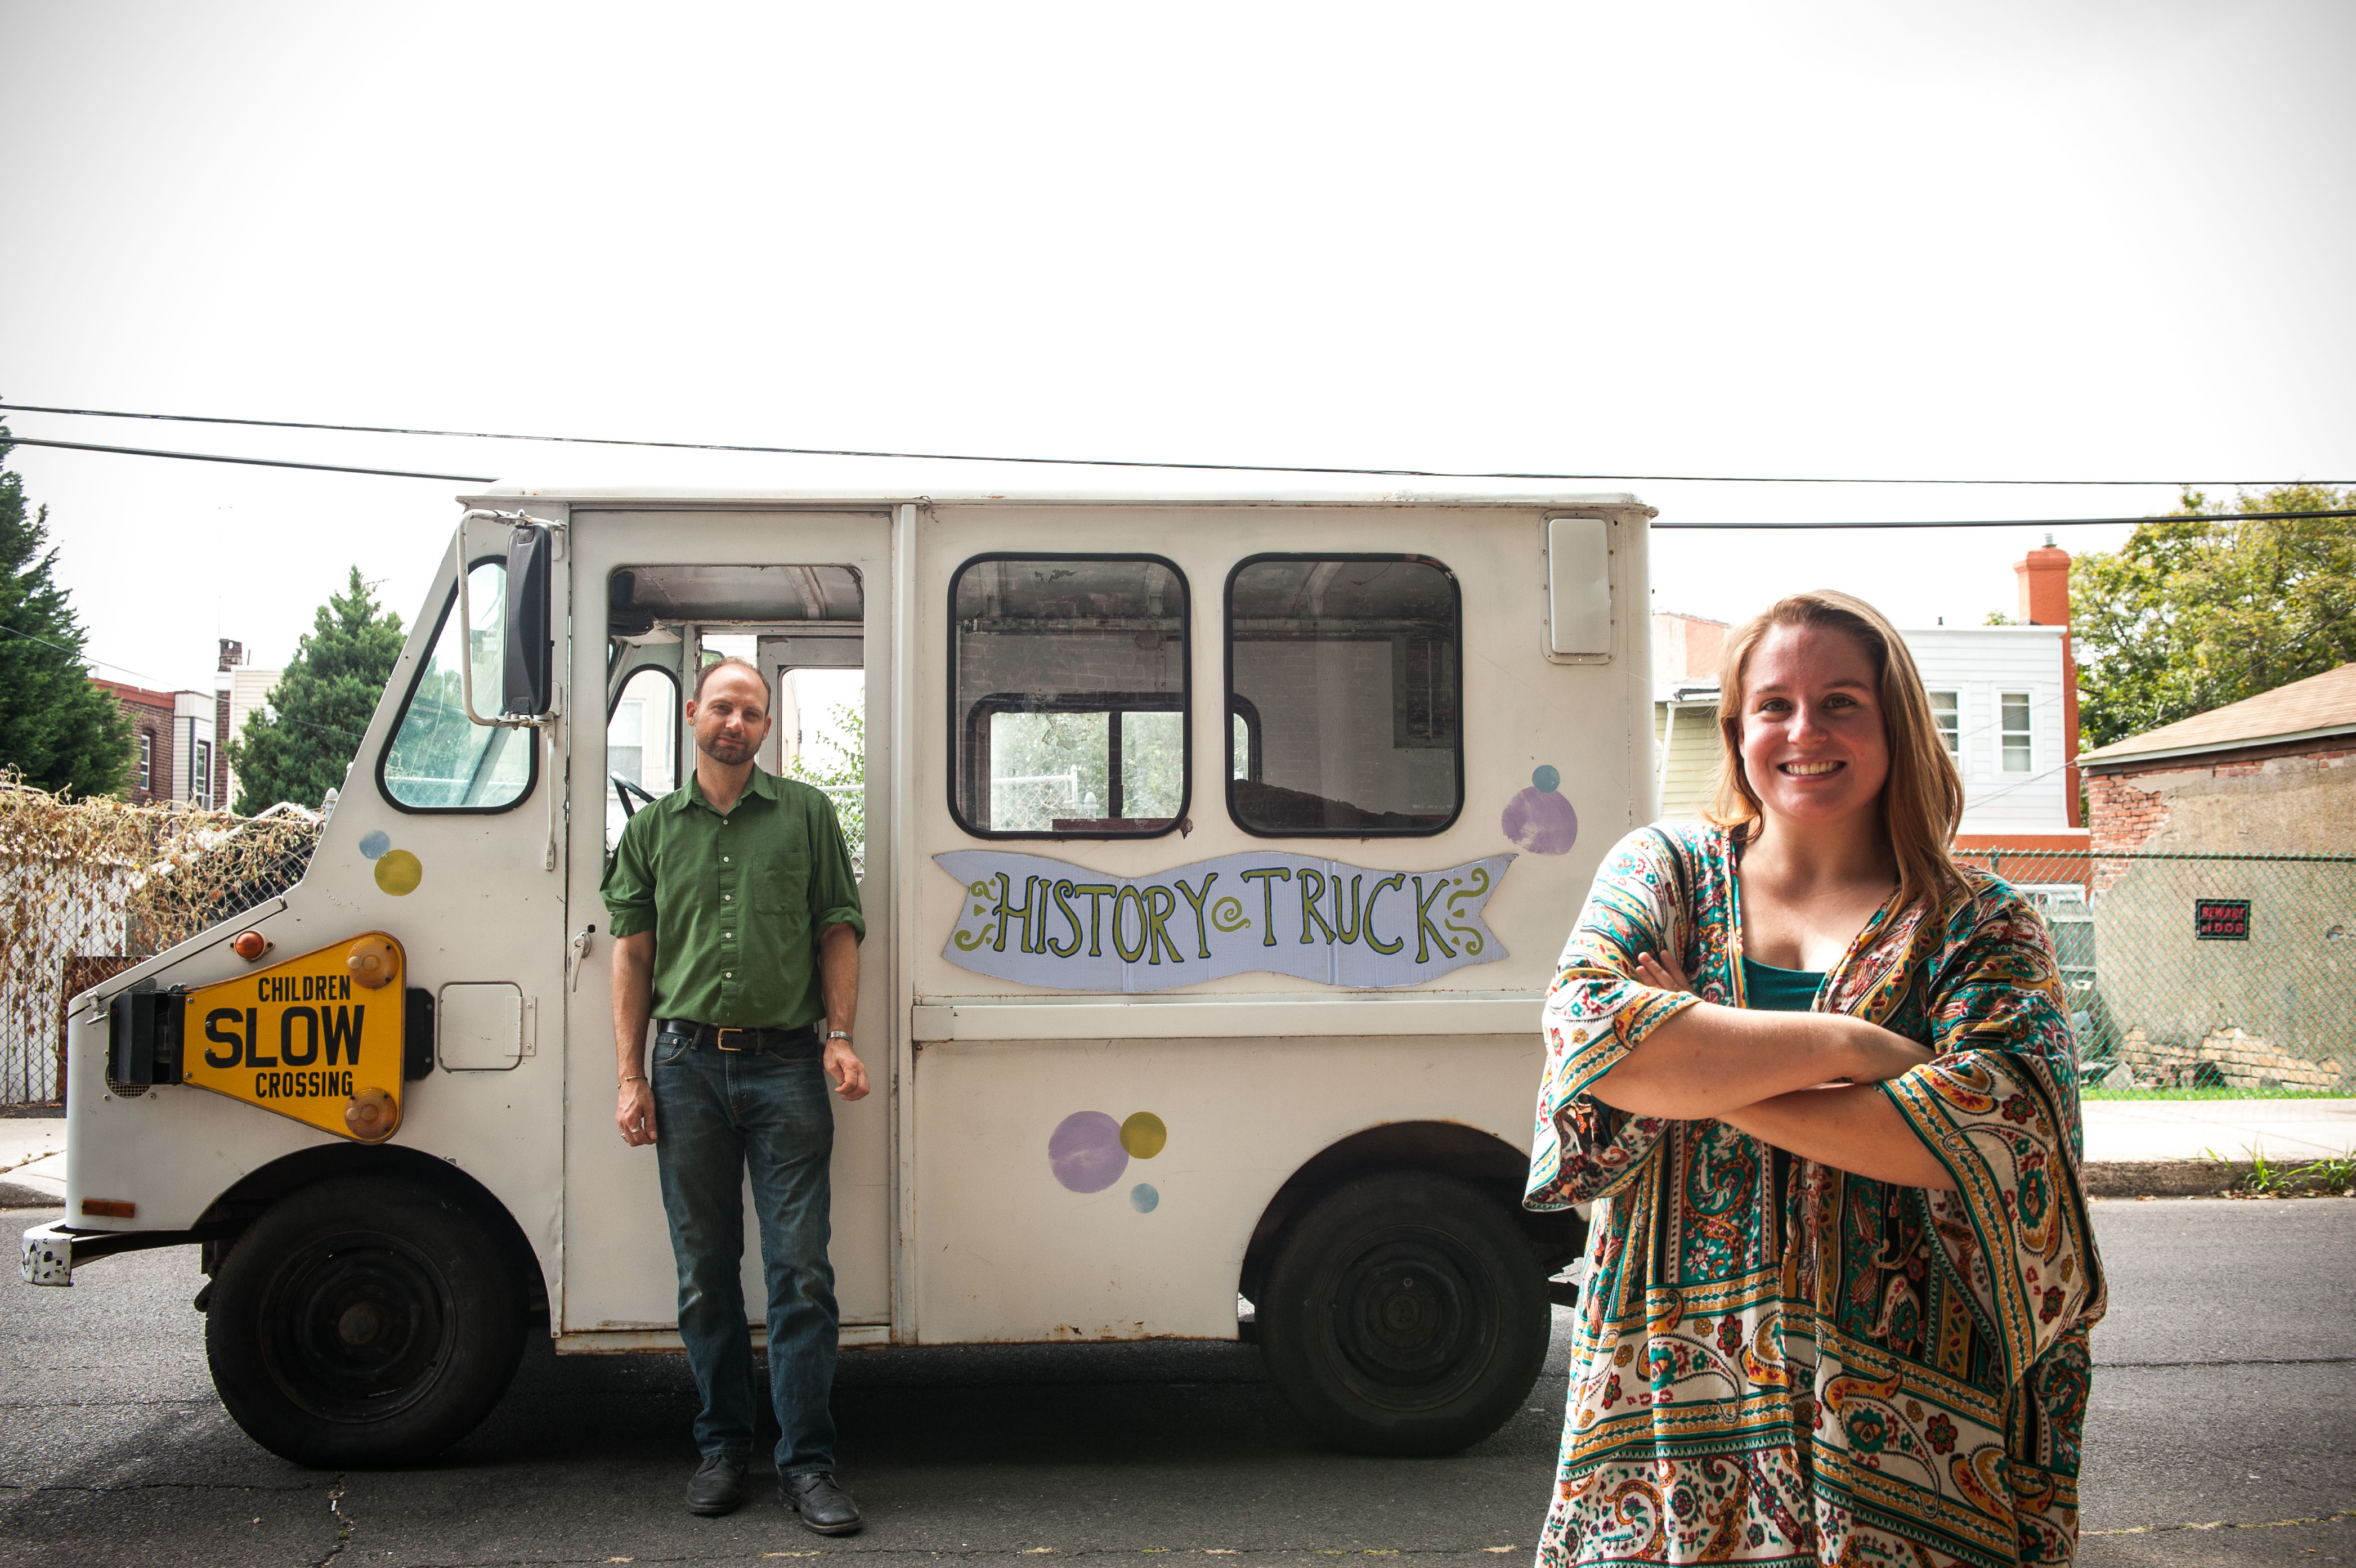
(317, 1038)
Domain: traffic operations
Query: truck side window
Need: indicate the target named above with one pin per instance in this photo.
(1342, 674)
(437, 760)
(1069, 696)
(641, 760)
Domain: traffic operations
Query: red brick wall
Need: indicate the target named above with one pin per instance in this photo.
(151, 715)
(2124, 816)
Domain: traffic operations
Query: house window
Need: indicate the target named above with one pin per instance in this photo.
(1344, 672)
(2013, 707)
(146, 759)
(201, 791)
(1947, 714)
(1068, 713)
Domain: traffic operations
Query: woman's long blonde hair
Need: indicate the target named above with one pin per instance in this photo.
(1923, 799)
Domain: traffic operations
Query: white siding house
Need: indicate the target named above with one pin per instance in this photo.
(1999, 691)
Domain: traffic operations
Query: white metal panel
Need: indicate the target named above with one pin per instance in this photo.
(479, 1027)
(486, 907)
(1523, 715)
(1010, 1253)
(618, 1271)
(1579, 584)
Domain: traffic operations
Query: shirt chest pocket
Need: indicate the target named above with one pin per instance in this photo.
(777, 884)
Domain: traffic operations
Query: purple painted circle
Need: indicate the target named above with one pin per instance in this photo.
(1084, 1152)
(1541, 821)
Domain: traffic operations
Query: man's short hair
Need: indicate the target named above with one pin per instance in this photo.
(769, 697)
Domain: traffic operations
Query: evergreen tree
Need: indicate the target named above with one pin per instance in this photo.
(300, 747)
(58, 729)
(2204, 609)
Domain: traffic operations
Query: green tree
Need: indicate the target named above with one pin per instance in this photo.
(842, 775)
(2202, 608)
(58, 729)
(299, 748)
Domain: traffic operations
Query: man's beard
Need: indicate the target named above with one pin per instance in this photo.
(721, 749)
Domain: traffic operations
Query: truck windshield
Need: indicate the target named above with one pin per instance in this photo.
(438, 760)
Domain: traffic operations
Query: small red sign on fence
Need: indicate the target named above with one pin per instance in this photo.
(2221, 919)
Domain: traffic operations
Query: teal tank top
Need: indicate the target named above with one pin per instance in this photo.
(1772, 990)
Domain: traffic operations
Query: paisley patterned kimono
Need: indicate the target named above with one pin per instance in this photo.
(1777, 1361)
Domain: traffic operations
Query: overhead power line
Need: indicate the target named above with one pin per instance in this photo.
(84, 655)
(1100, 462)
(1793, 527)
(254, 462)
(2032, 522)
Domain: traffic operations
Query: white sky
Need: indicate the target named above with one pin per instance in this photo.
(1984, 240)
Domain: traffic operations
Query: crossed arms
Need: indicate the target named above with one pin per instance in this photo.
(1802, 1082)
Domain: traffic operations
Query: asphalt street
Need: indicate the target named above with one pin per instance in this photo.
(2223, 1413)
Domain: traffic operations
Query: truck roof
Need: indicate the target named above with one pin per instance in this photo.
(701, 496)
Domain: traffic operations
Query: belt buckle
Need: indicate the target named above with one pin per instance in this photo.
(720, 1039)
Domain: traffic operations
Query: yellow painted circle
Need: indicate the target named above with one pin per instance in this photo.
(398, 872)
(1143, 1136)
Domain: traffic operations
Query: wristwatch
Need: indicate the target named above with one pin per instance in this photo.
(843, 1034)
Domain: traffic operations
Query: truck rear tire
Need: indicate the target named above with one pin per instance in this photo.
(1406, 1314)
(364, 1323)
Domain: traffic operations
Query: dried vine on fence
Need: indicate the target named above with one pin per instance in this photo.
(102, 878)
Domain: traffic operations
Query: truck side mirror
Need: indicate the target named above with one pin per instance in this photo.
(527, 677)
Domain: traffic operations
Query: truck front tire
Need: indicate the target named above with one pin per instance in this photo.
(363, 1323)
(1406, 1314)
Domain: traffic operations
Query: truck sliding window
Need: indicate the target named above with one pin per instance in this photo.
(1069, 696)
(438, 760)
(1343, 684)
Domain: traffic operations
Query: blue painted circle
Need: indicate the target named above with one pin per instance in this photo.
(1143, 1198)
(374, 844)
(1546, 777)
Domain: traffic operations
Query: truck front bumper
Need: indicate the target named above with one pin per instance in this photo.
(48, 1258)
(52, 1251)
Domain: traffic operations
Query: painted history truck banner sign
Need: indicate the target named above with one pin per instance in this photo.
(1047, 922)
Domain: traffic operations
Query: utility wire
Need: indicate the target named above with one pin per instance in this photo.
(1100, 462)
(254, 462)
(2034, 522)
(1912, 522)
(83, 656)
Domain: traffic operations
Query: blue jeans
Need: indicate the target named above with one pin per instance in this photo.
(718, 1114)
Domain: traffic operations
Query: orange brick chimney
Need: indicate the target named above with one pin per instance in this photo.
(2044, 577)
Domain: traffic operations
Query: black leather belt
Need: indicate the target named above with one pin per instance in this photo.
(757, 1042)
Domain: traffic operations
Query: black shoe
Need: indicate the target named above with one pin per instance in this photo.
(824, 1507)
(718, 1484)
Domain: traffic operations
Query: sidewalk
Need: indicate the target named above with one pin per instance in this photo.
(2125, 1140)
(32, 1162)
(2285, 1131)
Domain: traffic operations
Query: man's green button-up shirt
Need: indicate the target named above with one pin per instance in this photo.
(735, 902)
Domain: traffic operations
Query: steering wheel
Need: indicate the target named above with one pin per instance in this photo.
(625, 788)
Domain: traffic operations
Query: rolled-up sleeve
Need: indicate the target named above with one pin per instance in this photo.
(629, 885)
(1595, 1014)
(833, 885)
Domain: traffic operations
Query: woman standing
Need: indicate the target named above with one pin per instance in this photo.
(1841, 1273)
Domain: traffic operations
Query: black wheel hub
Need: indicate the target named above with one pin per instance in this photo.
(359, 1327)
(1408, 1317)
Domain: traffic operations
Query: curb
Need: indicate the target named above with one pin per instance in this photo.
(2165, 1178)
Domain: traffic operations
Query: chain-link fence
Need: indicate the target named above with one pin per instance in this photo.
(2233, 970)
(88, 887)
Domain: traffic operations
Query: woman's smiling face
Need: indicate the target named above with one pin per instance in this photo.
(1815, 746)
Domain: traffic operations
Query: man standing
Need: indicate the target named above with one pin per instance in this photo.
(736, 929)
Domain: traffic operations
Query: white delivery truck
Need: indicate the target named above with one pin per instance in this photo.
(1216, 854)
